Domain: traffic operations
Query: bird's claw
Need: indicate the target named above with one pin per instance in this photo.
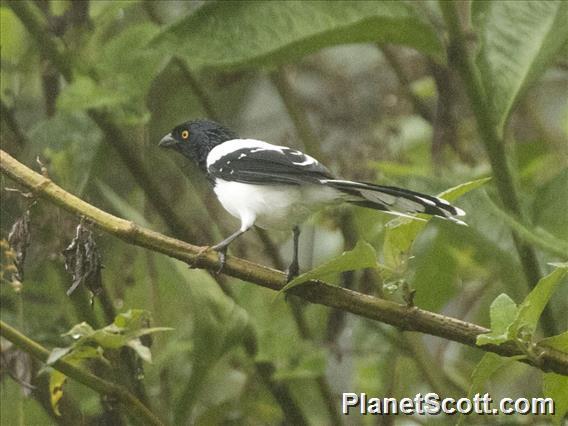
(198, 255)
(222, 252)
(222, 259)
(203, 250)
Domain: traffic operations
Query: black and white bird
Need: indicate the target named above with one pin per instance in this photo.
(275, 187)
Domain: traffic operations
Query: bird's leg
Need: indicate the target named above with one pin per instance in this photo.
(222, 247)
(294, 268)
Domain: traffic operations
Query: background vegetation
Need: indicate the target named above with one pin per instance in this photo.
(414, 94)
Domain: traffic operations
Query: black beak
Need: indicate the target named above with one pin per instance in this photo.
(167, 141)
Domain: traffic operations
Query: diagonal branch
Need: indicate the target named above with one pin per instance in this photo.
(133, 405)
(395, 314)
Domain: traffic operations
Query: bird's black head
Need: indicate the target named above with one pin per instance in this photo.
(195, 139)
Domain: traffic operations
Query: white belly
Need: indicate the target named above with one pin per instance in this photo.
(272, 207)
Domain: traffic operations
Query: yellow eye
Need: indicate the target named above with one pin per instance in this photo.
(185, 134)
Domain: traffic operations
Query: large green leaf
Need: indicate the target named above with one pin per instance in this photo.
(518, 40)
(71, 164)
(401, 232)
(124, 72)
(533, 305)
(554, 385)
(233, 34)
(551, 200)
(362, 256)
(436, 270)
(486, 368)
(559, 342)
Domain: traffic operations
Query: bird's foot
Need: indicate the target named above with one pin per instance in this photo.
(221, 249)
(203, 250)
(198, 256)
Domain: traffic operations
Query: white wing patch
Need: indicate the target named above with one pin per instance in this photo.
(307, 162)
(235, 144)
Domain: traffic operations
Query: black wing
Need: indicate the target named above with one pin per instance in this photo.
(268, 166)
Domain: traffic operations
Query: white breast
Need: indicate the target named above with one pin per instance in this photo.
(272, 206)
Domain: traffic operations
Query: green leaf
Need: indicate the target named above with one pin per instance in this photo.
(550, 200)
(73, 355)
(70, 163)
(538, 237)
(559, 342)
(231, 34)
(81, 330)
(109, 340)
(13, 35)
(123, 72)
(133, 319)
(435, 270)
(84, 93)
(518, 40)
(401, 232)
(533, 305)
(362, 256)
(503, 312)
(125, 330)
(507, 320)
(488, 365)
(554, 385)
(459, 190)
(485, 368)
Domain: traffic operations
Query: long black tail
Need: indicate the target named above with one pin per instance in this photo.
(398, 201)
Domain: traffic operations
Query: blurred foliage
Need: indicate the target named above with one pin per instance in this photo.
(151, 65)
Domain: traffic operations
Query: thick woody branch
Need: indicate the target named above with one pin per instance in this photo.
(395, 314)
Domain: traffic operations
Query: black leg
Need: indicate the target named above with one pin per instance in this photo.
(294, 268)
(222, 247)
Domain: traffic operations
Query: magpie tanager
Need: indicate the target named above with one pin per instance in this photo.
(276, 187)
